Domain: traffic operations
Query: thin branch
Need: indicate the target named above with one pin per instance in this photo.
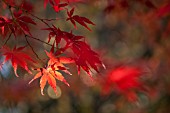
(7, 39)
(32, 48)
(42, 20)
(38, 40)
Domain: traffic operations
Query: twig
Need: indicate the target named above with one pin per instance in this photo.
(32, 48)
(7, 39)
(38, 40)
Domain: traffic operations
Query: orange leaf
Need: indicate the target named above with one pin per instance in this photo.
(50, 73)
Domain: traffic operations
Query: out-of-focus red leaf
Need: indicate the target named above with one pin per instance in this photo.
(149, 4)
(110, 6)
(27, 6)
(124, 80)
(45, 3)
(164, 10)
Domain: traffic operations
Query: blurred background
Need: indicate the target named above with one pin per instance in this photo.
(132, 38)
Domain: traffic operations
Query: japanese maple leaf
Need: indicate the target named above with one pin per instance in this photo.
(76, 18)
(17, 57)
(58, 63)
(59, 7)
(125, 80)
(85, 57)
(19, 23)
(22, 21)
(51, 72)
(57, 34)
(56, 4)
(6, 26)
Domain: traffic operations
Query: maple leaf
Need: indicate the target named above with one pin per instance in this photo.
(51, 72)
(6, 26)
(57, 34)
(58, 62)
(124, 80)
(85, 57)
(57, 6)
(81, 20)
(17, 57)
(22, 21)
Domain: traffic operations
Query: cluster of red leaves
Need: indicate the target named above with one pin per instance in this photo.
(84, 55)
(17, 23)
(124, 80)
(21, 16)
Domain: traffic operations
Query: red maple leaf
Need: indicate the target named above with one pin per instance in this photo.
(57, 6)
(6, 26)
(18, 23)
(51, 72)
(22, 22)
(124, 80)
(17, 57)
(76, 18)
(84, 57)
